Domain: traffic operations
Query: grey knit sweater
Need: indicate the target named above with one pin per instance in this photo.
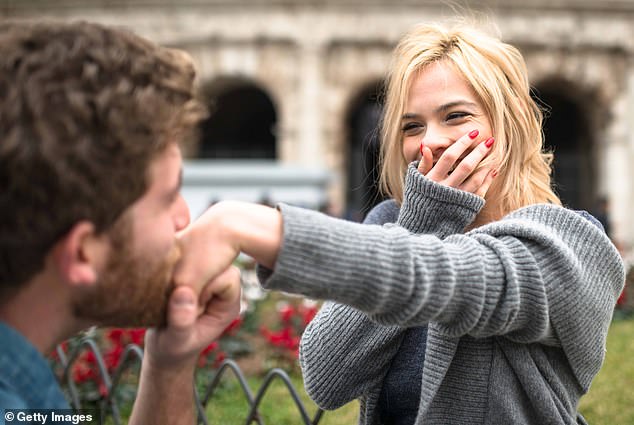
(517, 310)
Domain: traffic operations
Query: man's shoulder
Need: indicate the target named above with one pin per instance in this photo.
(33, 390)
(26, 380)
(9, 399)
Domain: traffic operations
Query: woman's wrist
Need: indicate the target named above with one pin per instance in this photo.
(256, 230)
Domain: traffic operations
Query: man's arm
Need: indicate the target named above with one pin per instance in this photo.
(165, 395)
(166, 388)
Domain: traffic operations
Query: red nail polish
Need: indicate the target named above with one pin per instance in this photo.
(421, 149)
(494, 173)
(489, 142)
(473, 134)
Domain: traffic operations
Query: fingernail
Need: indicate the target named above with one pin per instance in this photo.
(494, 173)
(489, 142)
(421, 149)
(474, 134)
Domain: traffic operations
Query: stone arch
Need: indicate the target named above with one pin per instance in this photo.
(242, 122)
(570, 133)
(362, 120)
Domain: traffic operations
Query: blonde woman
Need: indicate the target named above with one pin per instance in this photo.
(487, 302)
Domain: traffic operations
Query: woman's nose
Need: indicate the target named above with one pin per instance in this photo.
(437, 142)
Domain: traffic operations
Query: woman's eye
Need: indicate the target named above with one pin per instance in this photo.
(457, 116)
(411, 128)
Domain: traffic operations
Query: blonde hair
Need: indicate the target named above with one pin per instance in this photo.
(497, 74)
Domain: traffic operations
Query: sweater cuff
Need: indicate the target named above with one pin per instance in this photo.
(303, 232)
(429, 207)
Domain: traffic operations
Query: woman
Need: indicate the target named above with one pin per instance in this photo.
(468, 311)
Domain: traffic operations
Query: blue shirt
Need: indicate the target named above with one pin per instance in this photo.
(26, 380)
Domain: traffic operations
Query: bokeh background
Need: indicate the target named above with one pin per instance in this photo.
(295, 89)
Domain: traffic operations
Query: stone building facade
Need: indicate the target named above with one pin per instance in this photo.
(296, 81)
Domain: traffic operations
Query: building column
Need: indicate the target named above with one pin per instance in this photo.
(309, 118)
(617, 174)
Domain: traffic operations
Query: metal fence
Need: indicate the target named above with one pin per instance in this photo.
(132, 357)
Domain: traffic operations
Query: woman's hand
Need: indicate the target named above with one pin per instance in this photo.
(455, 169)
(213, 241)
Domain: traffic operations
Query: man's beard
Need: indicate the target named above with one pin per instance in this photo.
(133, 291)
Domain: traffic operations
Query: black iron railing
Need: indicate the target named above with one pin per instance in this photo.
(107, 405)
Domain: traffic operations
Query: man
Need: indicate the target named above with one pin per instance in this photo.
(90, 173)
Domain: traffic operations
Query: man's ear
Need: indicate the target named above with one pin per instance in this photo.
(81, 254)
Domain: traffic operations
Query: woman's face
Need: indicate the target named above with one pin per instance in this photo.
(440, 109)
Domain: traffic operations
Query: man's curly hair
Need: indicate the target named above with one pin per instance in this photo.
(83, 111)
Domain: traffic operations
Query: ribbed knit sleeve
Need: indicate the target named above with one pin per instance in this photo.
(429, 207)
(540, 265)
(582, 273)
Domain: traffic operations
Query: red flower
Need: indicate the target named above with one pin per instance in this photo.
(211, 347)
(219, 358)
(284, 338)
(286, 313)
(82, 373)
(308, 314)
(621, 300)
(115, 335)
(103, 391)
(233, 327)
(113, 357)
(89, 357)
(137, 336)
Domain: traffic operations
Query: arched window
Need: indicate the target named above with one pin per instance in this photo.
(241, 124)
(363, 152)
(568, 133)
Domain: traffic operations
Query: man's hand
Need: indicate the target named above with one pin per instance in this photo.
(166, 389)
(194, 321)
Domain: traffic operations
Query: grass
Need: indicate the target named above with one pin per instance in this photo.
(609, 401)
(228, 405)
